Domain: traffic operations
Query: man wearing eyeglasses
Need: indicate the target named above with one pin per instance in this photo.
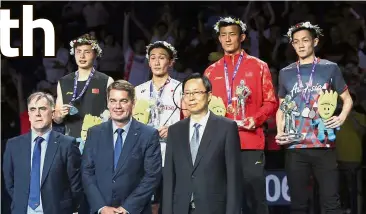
(203, 177)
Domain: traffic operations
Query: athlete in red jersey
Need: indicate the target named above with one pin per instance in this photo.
(248, 80)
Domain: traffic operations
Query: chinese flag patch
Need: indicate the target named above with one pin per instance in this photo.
(95, 90)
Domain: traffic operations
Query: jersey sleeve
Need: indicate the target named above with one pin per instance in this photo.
(269, 102)
(281, 86)
(337, 82)
(208, 73)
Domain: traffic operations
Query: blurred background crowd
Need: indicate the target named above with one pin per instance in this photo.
(125, 28)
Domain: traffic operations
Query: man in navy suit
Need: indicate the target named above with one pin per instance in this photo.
(121, 166)
(42, 168)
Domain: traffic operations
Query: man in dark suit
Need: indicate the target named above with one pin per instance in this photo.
(202, 166)
(42, 168)
(121, 165)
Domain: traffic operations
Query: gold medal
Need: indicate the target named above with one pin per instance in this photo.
(230, 109)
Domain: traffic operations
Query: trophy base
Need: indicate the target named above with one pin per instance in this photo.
(289, 138)
(241, 123)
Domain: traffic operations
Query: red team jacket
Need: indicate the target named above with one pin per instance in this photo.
(260, 105)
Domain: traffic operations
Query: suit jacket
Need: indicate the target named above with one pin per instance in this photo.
(138, 170)
(61, 188)
(215, 176)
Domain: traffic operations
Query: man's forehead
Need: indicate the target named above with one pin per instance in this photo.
(38, 102)
(229, 29)
(302, 34)
(119, 97)
(84, 47)
(161, 52)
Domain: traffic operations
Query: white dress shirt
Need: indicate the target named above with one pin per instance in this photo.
(46, 136)
(202, 122)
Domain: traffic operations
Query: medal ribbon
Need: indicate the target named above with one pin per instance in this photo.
(160, 90)
(74, 98)
(227, 83)
(304, 95)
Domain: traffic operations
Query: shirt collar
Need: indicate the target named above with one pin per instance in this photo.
(125, 128)
(236, 56)
(45, 136)
(202, 122)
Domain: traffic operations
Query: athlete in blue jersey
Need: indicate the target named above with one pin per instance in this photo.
(302, 83)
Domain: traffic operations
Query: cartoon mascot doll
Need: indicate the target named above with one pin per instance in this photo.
(141, 111)
(327, 104)
(217, 106)
(89, 121)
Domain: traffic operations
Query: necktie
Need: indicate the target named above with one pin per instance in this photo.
(194, 143)
(118, 147)
(35, 183)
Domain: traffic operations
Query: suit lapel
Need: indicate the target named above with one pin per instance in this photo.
(25, 154)
(206, 139)
(186, 148)
(107, 147)
(52, 146)
(129, 143)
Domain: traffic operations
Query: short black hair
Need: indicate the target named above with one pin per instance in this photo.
(205, 80)
(160, 45)
(225, 24)
(122, 85)
(86, 37)
(312, 32)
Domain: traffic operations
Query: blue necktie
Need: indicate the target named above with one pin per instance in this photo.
(35, 186)
(118, 147)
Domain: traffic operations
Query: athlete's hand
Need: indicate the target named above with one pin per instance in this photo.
(64, 110)
(334, 122)
(163, 131)
(282, 139)
(249, 123)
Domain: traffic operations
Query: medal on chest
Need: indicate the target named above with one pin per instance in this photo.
(308, 111)
(73, 110)
(232, 102)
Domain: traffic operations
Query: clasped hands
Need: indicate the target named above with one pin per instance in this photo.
(113, 210)
(248, 124)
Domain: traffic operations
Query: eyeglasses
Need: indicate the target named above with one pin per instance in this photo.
(194, 93)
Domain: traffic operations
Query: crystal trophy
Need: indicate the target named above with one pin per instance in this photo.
(289, 108)
(242, 93)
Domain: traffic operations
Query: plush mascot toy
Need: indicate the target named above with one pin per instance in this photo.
(217, 106)
(89, 121)
(327, 104)
(141, 111)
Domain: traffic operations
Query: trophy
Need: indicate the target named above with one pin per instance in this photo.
(242, 93)
(154, 114)
(289, 108)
